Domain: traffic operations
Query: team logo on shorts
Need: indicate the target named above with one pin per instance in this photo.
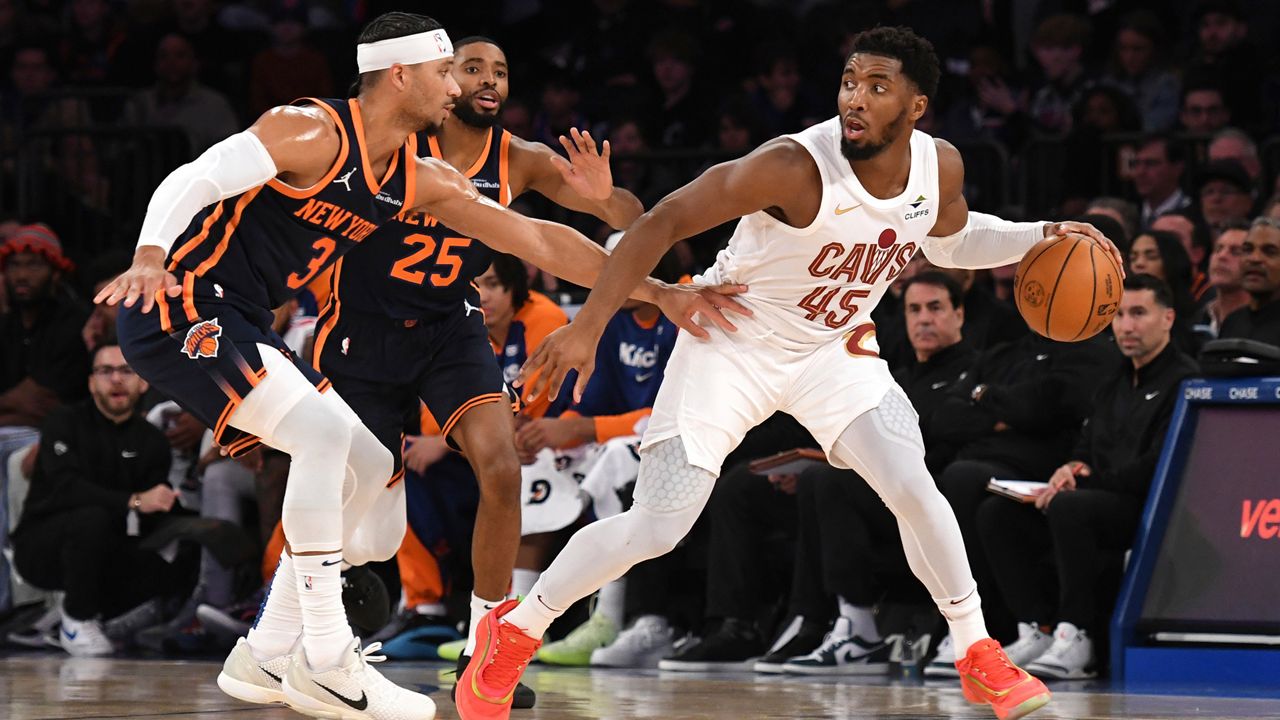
(202, 339)
(539, 492)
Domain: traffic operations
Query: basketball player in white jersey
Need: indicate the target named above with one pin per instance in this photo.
(830, 216)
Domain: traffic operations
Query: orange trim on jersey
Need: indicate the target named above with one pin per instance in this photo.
(304, 193)
(358, 122)
(227, 232)
(243, 445)
(323, 386)
(221, 426)
(504, 169)
(473, 402)
(194, 242)
(162, 306)
(189, 297)
(410, 170)
(609, 427)
(647, 324)
(396, 478)
(430, 426)
(476, 166)
(332, 309)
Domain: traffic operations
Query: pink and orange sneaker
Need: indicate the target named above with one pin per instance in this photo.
(988, 677)
(503, 651)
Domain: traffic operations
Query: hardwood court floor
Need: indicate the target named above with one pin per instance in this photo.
(55, 687)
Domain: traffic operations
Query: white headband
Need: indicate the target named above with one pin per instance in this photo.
(407, 50)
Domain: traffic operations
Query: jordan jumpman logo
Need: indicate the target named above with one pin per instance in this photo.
(346, 179)
(471, 307)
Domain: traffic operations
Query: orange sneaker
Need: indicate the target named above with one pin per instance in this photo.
(486, 687)
(988, 677)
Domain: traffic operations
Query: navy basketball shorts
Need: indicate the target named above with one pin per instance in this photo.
(383, 367)
(202, 350)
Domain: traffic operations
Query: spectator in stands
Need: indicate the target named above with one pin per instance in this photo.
(648, 181)
(1102, 111)
(1161, 254)
(780, 100)
(98, 489)
(517, 118)
(1058, 47)
(991, 105)
(43, 361)
(561, 452)
(680, 115)
(1225, 54)
(517, 319)
(1139, 66)
(1158, 165)
(1013, 416)
(223, 62)
(1226, 193)
(1234, 144)
(31, 74)
(1204, 109)
(101, 324)
(559, 111)
(1122, 211)
(91, 49)
(1260, 277)
(849, 548)
(1085, 520)
(290, 68)
(178, 99)
(1194, 236)
(1225, 277)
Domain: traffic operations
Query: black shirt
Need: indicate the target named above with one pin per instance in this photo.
(51, 352)
(86, 458)
(926, 384)
(1122, 439)
(1262, 324)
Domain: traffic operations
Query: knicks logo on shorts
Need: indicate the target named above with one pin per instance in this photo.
(202, 339)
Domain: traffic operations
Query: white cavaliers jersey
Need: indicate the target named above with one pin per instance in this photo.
(819, 283)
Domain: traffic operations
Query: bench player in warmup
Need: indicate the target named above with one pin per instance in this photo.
(238, 231)
(830, 216)
(404, 321)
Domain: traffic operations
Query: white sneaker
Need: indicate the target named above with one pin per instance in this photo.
(1030, 645)
(648, 640)
(943, 664)
(84, 638)
(244, 678)
(1070, 657)
(843, 653)
(352, 691)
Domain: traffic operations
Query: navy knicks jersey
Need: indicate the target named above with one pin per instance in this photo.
(416, 268)
(264, 245)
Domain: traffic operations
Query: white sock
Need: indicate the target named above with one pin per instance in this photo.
(612, 602)
(522, 581)
(533, 615)
(325, 632)
(863, 619)
(279, 620)
(964, 617)
(479, 608)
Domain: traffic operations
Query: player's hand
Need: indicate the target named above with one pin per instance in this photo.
(158, 499)
(572, 347)
(1094, 234)
(680, 303)
(587, 169)
(423, 451)
(144, 279)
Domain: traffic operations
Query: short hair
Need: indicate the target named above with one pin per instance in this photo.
(1126, 210)
(1201, 84)
(1158, 287)
(1173, 150)
(919, 61)
(513, 276)
(942, 280)
(1200, 235)
(1234, 133)
(1110, 227)
(386, 26)
(1230, 8)
(1229, 225)
(1061, 30)
(473, 39)
(108, 340)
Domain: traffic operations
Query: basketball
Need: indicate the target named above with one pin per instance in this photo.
(1067, 288)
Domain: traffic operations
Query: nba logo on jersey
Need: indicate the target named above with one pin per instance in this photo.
(202, 340)
(346, 345)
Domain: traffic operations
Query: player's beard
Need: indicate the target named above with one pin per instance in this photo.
(855, 152)
(469, 117)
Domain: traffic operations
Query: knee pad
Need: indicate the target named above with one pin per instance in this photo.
(658, 533)
(379, 534)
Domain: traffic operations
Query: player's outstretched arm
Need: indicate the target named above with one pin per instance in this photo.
(296, 143)
(965, 239)
(583, 182)
(774, 177)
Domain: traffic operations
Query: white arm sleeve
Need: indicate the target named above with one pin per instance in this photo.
(985, 242)
(226, 169)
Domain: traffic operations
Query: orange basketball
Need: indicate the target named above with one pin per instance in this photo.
(1067, 288)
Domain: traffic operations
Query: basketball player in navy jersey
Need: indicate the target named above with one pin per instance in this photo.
(404, 322)
(829, 217)
(241, 229)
